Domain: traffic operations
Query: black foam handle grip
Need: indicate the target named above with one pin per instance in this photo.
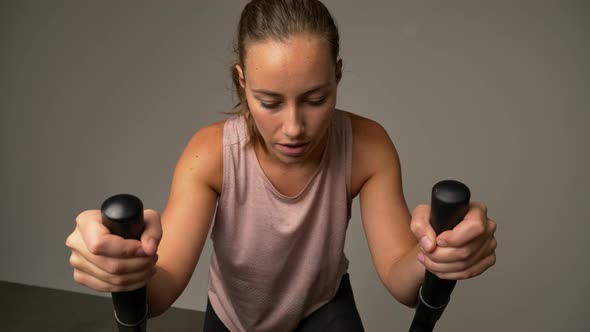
(449, 205)
(123, 215)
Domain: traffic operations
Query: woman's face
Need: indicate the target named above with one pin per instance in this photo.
(291, 93)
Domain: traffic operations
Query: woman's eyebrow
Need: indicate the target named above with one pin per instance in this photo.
(266, 92)
(275, 94)
(316, 88)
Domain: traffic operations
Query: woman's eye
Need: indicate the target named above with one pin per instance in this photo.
(275, 105)
(316, 102)
(270, 105)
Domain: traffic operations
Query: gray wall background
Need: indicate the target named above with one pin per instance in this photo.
(100, 97)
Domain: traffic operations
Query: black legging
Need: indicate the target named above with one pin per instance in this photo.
(338, 315)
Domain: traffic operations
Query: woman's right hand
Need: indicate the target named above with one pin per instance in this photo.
(109, 263)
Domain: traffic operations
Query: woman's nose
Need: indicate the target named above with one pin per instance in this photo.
(293, 125)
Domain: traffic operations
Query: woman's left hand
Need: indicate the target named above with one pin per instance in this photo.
(465, 251)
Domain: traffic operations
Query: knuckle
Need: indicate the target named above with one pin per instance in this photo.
(468, 274)
(463, 266)
(492, 226)
(479, 228)
(73, 240)
(463, 253)
(79, 218)
(494, 244)
(82, 217)
(484, 207)
(153, 212)
(492, 259)
(95, 247)
(128, 251)
(73, 260)
(153, 215)
(156, 217)
(69, 241)
(118, 281)
(78, 277)
(114, 267)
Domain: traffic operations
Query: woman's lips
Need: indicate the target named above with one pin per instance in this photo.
(293, 149)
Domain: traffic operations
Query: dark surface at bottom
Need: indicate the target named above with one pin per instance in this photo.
(26, 308)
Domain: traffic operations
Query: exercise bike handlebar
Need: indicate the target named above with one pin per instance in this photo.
(449, 204)
(123, 215)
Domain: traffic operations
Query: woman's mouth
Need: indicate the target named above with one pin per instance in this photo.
(293, 149)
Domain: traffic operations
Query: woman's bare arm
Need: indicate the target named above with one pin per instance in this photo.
(384, 212)
(188, 215)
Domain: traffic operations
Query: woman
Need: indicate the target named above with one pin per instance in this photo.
(279, 178)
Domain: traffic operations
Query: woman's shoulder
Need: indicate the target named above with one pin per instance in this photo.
(372, 150)
(210, 133)
(204, 154)
(208, 139)
(366, 130)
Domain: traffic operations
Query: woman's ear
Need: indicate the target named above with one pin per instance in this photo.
(338, 70)
(241, 76)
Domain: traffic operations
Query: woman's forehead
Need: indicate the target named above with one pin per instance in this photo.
(299, 61)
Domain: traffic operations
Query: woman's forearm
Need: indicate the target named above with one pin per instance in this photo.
(405, 277)
(160, 292)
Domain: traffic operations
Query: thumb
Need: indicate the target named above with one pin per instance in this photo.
(422, 229)
(152, 233)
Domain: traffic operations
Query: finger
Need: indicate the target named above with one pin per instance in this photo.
(469, 250)
(118, 265)
(422, 229)
(131, 280)
(450, 254)
(90, 281)
(98, 240)
(79, 263)
(152, 234)
(446, 263)
(105, 263)
(472, 226)
(473, 271)
(115, 246)
(73, 240)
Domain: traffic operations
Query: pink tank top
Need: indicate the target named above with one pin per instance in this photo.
(278, 258)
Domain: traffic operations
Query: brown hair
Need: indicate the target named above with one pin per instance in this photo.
(263, 20)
